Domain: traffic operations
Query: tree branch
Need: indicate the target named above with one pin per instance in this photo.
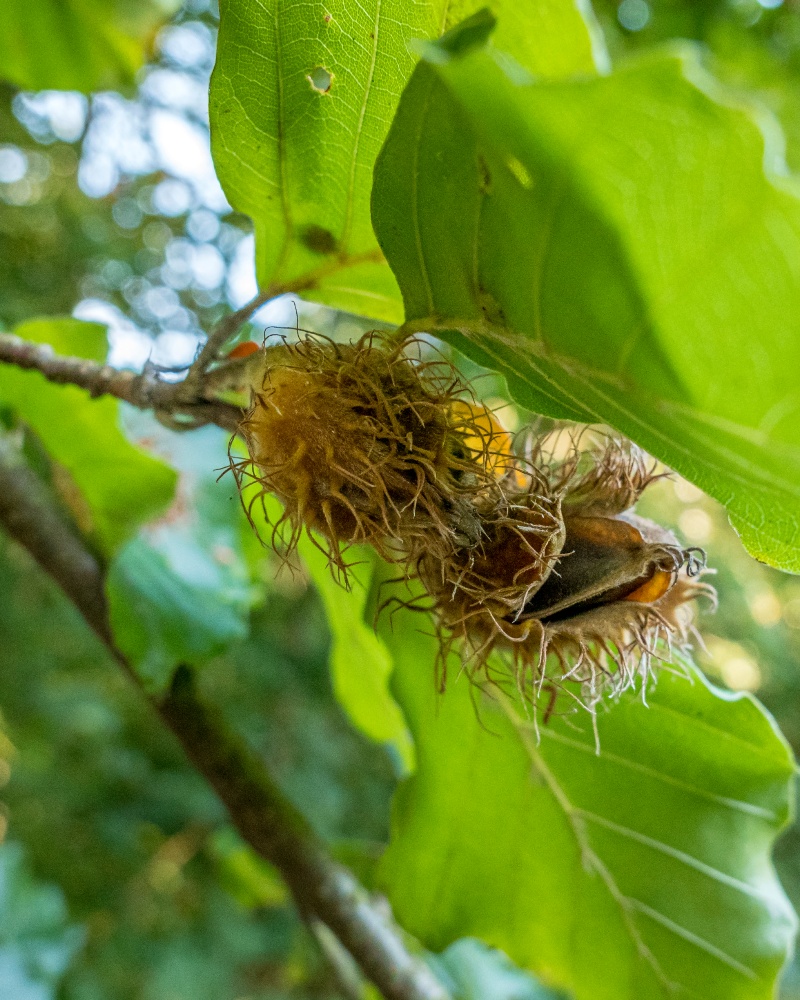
(146, 390)
(227, 327)
(28, 514)
(182, 405)
(273, 827)
(229, 324)
(278, 832)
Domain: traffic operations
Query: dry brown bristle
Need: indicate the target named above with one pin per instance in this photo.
(522, 536)
(363, 444)
(607, 595)
(593, 471)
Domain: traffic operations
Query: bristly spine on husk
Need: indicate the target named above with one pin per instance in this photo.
(363, 444)
(599, 599)
(533, 564)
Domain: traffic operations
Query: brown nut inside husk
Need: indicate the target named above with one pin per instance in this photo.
(596, 600)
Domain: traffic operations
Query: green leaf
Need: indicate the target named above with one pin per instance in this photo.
(36, 944)
(180, 591)
(613, 874)
(474, 972)
(360, 663)
(571, 237)
(122, 486)
(301, 100)
(552, 39)
(76, 44)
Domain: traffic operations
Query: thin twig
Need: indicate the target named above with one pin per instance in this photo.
(97, 379)
(232, 323)
(228, 326)
(182, 405)
(145, 390)
(322, 888)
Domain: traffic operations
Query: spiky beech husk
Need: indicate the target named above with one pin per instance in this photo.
(521, 539)
(612, 593)
(362, 443)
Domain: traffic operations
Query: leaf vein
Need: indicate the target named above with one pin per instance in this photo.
(348, 222)
(692, 938)
(737, 805)
(673, 852)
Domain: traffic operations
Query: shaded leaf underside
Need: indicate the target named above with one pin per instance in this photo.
(614, 247)
(179, 592)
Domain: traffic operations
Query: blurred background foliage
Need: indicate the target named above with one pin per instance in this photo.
(119, 876)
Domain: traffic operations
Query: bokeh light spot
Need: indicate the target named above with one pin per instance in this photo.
(13, 164)
(696, 525)
(765, 608)
(791, 613)
(741, 673)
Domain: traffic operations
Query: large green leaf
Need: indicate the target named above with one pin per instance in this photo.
(301, 100)
(641, 872)
(360, 663)
(122, 486)
(624, 250)
(76, 44)
(180, 591)
(552, 39)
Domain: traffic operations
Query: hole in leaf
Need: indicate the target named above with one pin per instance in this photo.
(320, 79)
(633, 14)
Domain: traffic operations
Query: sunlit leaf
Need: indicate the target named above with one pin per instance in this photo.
(641, 872)
(552, 39)
(616, 249)
(121, 485)
(77, 44)
(360, 663)
(301, 99)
